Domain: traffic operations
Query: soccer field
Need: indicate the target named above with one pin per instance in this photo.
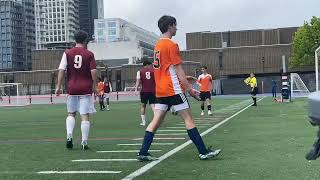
(264, 142)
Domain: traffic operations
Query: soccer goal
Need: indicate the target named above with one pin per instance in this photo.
(11, 94)
(298, 87)
(316, 56)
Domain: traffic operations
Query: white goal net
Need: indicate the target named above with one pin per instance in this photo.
(298, 87)
(11, 93)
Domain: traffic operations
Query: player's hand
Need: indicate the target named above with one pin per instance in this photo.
(194, 93)
(58, 91)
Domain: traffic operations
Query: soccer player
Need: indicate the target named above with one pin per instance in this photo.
(1, 98)
(107, 91)
(252, 81)
(101, 94)
(80, 65)
(171, 83)
(145, 78)
(274, 89)
(205, 83)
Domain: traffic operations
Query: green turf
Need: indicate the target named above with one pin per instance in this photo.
(267, 142)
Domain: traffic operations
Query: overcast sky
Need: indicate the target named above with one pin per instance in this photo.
(213, 15)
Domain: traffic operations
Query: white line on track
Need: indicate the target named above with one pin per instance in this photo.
(79, 172)
(150, 165)
(126, 151)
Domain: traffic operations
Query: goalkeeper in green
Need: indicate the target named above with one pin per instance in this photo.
(252, 81)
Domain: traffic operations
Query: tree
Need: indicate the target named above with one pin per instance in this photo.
(306, 41)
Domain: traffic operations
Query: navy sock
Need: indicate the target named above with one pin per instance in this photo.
(209, 107)
(197, 140)
(148, 138)
(202, 107)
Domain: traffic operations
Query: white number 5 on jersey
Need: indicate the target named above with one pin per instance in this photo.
(77, 61)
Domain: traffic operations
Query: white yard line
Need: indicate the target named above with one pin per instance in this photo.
(126, 151)
(166, 138)
(139, 144)
(79, 172)
(150, 165)
(175, 127)
(172, 134)
(170, 130)
(104, 160)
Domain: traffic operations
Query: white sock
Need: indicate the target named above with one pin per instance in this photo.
(143, 119)
(85, 128)
(70, 123)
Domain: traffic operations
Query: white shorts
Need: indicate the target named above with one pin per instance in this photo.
(83, 104)
(106, 95)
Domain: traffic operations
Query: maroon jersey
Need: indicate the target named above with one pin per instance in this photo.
(78, 62)
(106, 87)
(147, 79)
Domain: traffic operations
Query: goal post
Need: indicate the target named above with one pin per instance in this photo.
(11, 92)
(316, 54)
(298, 87)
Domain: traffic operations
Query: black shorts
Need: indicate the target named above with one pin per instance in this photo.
(148, 97)
(205, 95)
(254, 91)
(178, 101)
(101, 97)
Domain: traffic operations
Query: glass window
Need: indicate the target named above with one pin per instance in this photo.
(112, 38)
(112, 31)
(101, 25)
(112, 24)
(100, 32)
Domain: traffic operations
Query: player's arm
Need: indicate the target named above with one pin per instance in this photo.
(62, 68)
(93, 68)
(177, 62)
(138, 81)
(94, 79)
(183, 79)
(110, 87)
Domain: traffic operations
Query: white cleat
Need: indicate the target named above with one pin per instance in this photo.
(202, 113)
(142, 124)
(209, 113)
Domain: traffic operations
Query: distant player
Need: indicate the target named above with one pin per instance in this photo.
(171, 83)
(107, 91)
(145, 78)
(1, 98)
(274, 89)
(80, 66)
(101, 94)
(205, 83)
(252, 82)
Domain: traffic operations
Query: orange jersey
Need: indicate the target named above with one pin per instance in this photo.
(100, 88)
(205, 82)
(166, 55)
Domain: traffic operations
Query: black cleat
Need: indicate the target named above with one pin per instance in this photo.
(69, 143)
(84, 147)
(147, 157)
(254, 104)
(210, 154)
(314, 152)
